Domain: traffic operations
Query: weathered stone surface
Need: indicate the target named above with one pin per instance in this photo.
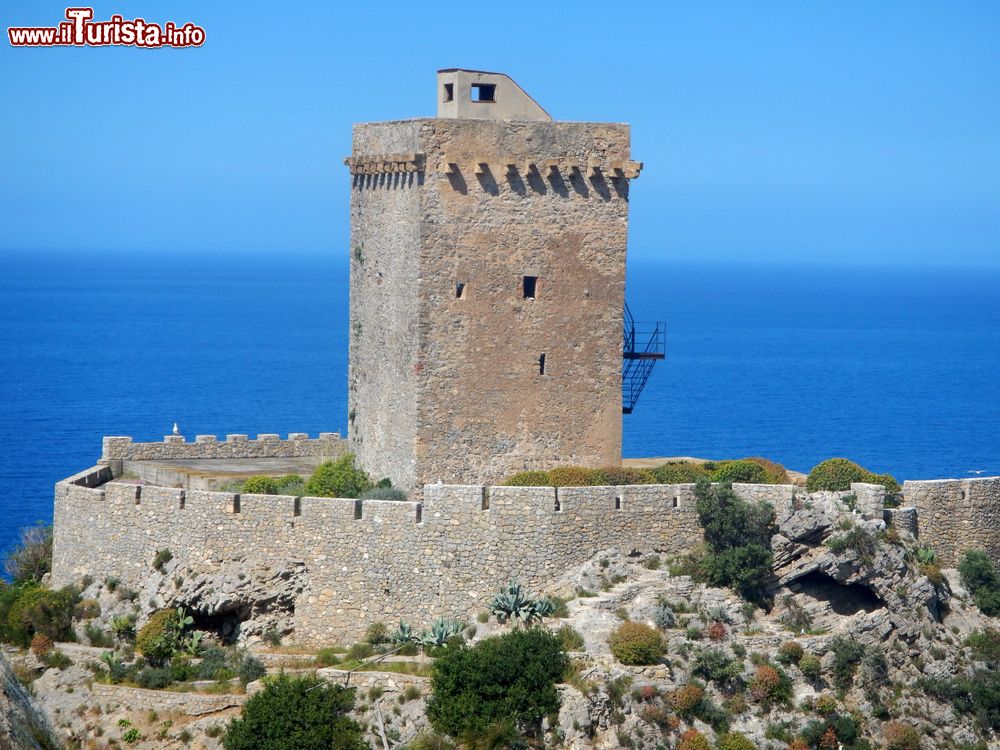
(446, 385)
(22, 724)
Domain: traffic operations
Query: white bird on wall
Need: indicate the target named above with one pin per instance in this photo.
(177, 430)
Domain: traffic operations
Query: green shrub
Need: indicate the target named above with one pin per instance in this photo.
(900, 736)
(340, 478)
(31, 558)
(774, 473)
(679, 472)
(847, 654)
(512, 676)
(575, 476)
(569, 638)
(327, 657)
(811, 666)
(250, 669)
(97, 637)
(636, 643)
(360, 651)
(685, 700)
(664, 617)
(692, 739)
(41, 610)
(384, 493)
(154, 678)
(261, 486)
(527, 479)
(838, 473)
(619, 475)
(157, 638)
(216, 664)
(733, 741)
(161, 558)
(770, 685)
(56, 659)
(290, 482)
(980, 578)
(716, 665)
(738, 538)
(790, 652)
(290, 713)
(87, 609)
(377, 633)
(985, 646)
(746, 472)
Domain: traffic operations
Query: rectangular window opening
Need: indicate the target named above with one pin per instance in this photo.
(486, 498)
(357, 510)
(420, 512)
(449, 91)
(484, 92)
(530, 286)
(182, 499)
(236, 504)
(297, 507)
(618, 503)
(676, 501)
(459, 290)
(541, 364)
(558, 503)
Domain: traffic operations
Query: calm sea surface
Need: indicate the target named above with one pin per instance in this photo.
(897, 369)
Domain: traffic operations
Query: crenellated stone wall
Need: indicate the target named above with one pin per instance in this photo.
(176, 447)
(954, 515)
(374, 560)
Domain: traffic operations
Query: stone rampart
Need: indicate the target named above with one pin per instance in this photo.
(176, 447)
(374, 560)
(954, 515)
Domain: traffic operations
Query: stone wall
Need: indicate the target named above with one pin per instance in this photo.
(371, 560)
(175, 447)
(167, 701)
(446, 384)
(954, 515)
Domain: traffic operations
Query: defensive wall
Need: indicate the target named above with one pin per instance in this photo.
(375, 560)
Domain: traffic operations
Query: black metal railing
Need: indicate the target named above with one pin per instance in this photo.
(642, 345)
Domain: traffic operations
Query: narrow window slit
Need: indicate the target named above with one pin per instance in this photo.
(618, 503)
(236, 504)
(530, 287)
(138, 494)
(357, 510)
(541, 364)
(183, 499)
(420, 512)
(449, 91)
(677, 501)
(460, 290)
(558, 504)
(297, 506)
(486, 499)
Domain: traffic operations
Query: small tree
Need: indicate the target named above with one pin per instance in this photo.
(980, 577)
(512, 676)
(340, 478)
(32, 557)
(296, 713)
(738, 535)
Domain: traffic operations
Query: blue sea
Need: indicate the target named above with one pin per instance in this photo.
(896, 368)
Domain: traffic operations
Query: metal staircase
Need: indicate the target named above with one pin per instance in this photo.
(643, 345)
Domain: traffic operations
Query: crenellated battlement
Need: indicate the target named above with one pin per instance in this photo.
(174, 447)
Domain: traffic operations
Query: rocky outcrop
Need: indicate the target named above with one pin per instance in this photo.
(22, 724)
(239, 602)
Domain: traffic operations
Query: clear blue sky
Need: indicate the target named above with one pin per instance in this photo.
(855, 131)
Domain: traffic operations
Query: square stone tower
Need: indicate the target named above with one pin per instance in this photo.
(487, 288)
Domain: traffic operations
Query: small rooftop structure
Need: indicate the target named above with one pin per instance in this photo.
(481, 95)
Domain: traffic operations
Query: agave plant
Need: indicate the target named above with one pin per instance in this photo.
(513, 603)
(440, 631)
(403, 634)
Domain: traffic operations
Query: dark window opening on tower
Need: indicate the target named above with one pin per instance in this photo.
(459, 290)
(484, 92)
(530, 285)
(449, 91)
(541, 364)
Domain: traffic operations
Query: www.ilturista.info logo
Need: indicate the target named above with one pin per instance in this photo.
(80, 30)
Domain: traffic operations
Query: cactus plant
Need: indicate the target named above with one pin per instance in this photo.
(513, 603)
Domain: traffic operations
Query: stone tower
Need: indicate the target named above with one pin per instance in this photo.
(487, 287)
